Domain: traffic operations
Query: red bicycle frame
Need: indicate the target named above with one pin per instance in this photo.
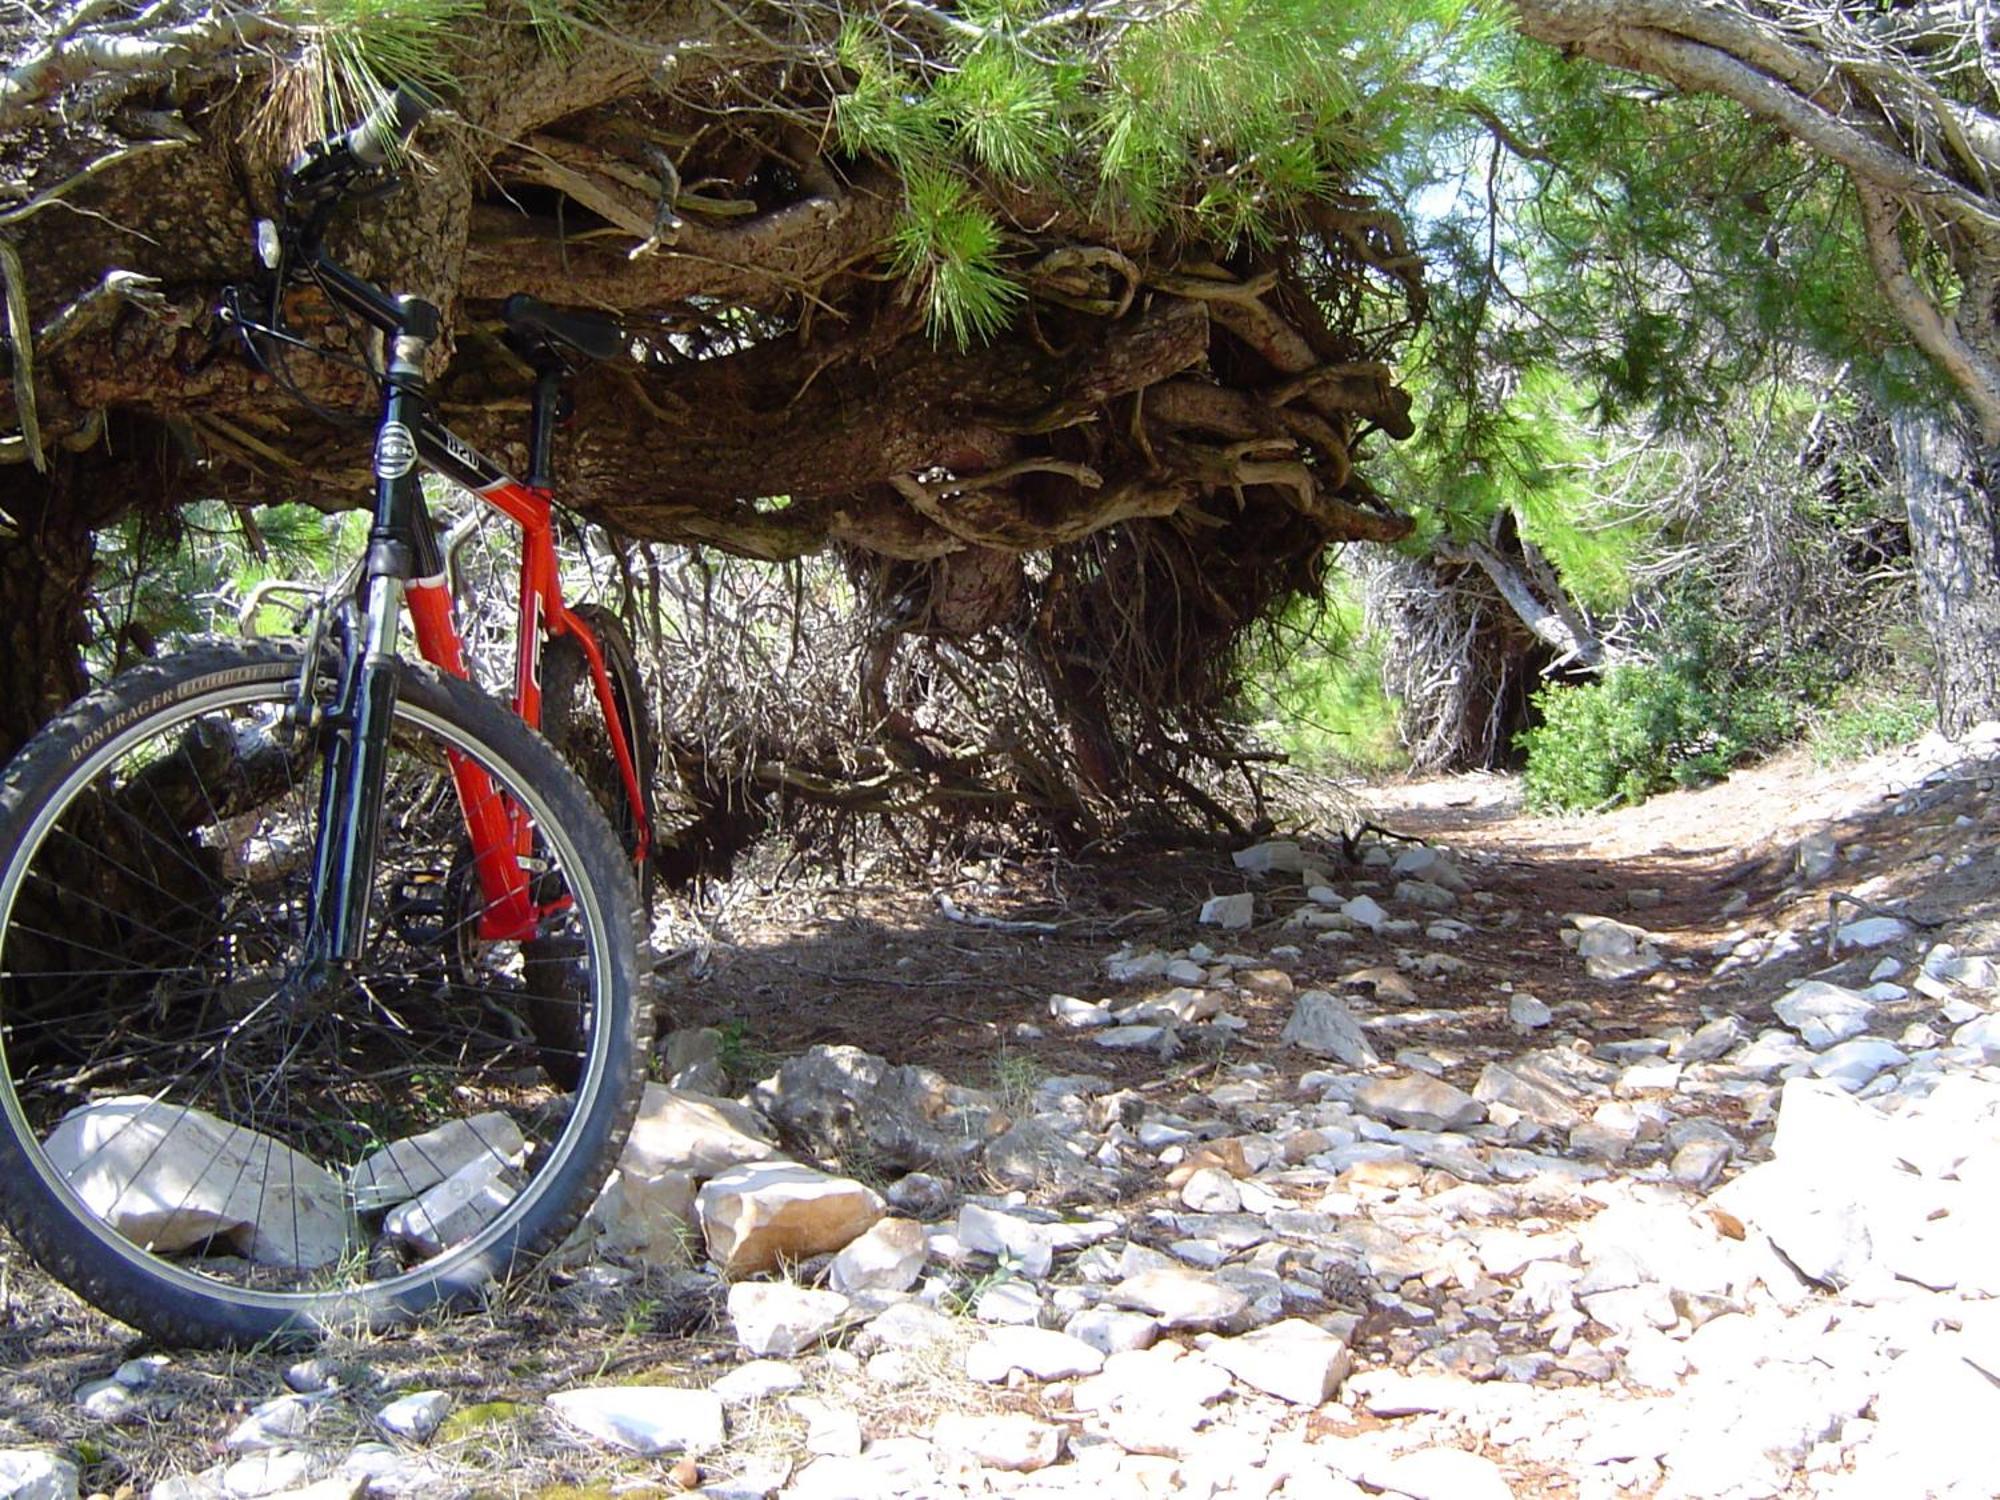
(501, 836)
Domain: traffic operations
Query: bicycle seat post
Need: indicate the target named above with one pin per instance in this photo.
(547, 412)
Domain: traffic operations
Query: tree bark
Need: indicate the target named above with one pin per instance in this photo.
(1948, 483)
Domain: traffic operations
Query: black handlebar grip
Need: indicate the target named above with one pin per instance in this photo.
(390, 124)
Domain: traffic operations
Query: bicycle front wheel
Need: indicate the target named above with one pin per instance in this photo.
(218, 1142)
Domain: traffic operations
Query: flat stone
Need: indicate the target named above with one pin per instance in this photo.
(1136, 1038)
(171, 1178)
(1272, 857)
(1040, 1352)
(1322, 1024)
(910, 1325)
(414, 1417)
(1438, 1474)
(1425, 894)
(1005, 1440)
(888, 1257)
(1871, 932)
(1294, 1360)
(780, 1319)
(1181, 1299)
(1550, 1103)
(1711, 1041)
(1526, 1012)
(399, 1172)
(1419, 1102)
(1030, 1245)
(106, 1401)
(694, 1061)
(1079, 1015)
(1855, 1062)
(1110, 1331)
(1824, 1013)
(696, 1133)
(752, 1217)
(1012, 1301)
(457, 1208)
(1128, 968)
(644, 1419)
(263, 1474)
(1211, 1190)
(1231, 913)
(757, 1380)
(280, 1422)
(1425, 863)
(1365, 910)
(36, 1474)
(831, 1429)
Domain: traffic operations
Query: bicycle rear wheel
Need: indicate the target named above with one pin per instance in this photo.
(207, 1139)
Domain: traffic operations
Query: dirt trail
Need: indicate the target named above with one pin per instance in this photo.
(956, 971)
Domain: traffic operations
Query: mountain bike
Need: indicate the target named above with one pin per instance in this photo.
(322, 1001)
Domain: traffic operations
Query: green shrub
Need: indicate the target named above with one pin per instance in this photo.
(1861, 727)
(1646, 728)
(1316, 688)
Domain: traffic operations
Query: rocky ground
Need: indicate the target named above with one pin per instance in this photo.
(1656, 1154)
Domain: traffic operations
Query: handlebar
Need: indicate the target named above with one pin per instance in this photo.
(323, 170)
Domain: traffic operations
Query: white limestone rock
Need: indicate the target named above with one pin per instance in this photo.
(405, 1168)
(1711, 1041)
(758, 1380)
(36, 1474)
(457, 1208)
(1824, 1014)
(1870, 932)
(1294, 1360)
(1854, 1063)
(1322, 1024)
(647, 1217)
(754, 1216)
(1006, 1440)
(1040, 1352)
(1427, 895)
(1230, 913)
(1079, 1015)
(1272, 857)
(1418, 1102)
(1366, 911)
(414, 1417)
(698, 1134)
(1526, 1012)
(1110, 1331)
(644, 1419)
(779, 1319)
(1181, 1299)
(171, 1178)
(1437, 1474)
(888, 1257)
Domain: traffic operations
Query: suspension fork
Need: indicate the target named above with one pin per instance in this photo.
(356, 754)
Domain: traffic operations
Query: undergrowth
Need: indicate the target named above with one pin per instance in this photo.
(1864, 726)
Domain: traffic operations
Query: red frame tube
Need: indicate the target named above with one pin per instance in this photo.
(500, 831)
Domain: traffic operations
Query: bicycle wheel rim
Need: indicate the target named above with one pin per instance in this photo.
(469, 1262)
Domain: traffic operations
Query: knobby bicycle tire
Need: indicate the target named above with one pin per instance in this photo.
(204, 1143)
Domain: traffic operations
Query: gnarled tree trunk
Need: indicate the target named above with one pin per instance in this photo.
(1948, 483)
